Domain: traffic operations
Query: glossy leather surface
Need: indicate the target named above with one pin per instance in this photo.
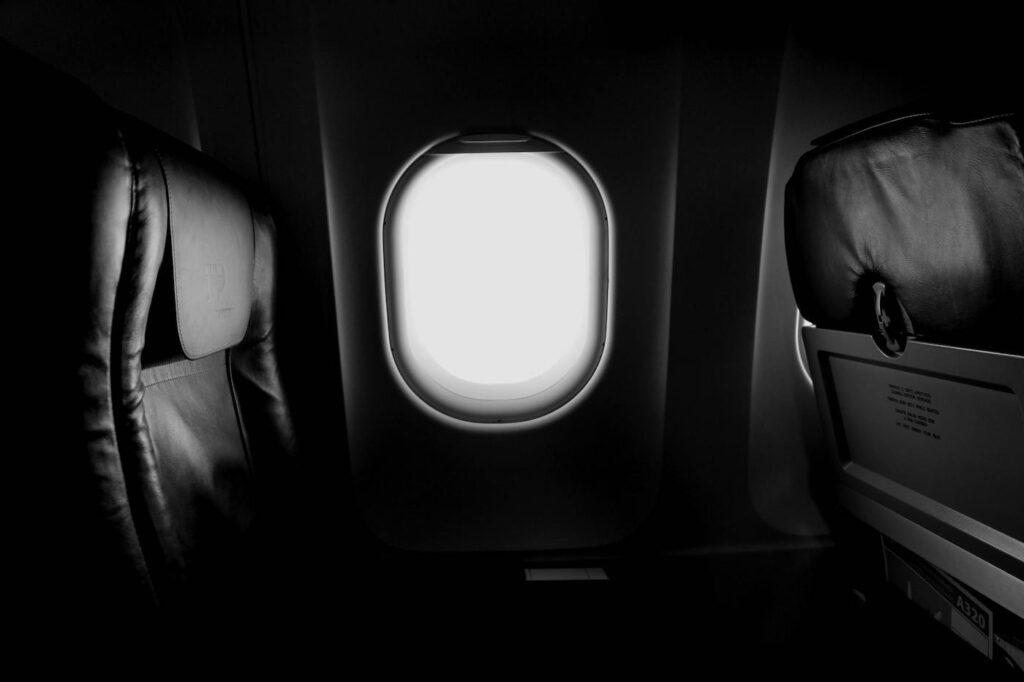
(930, 205)
(187, 404)
(204, 472)
(145, 488)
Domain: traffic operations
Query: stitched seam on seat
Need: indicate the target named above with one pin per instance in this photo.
(183, 375)
(191, 368)
(921, 115)
(983, 119)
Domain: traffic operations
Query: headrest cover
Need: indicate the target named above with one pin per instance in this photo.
(211, 248)
(933, 209)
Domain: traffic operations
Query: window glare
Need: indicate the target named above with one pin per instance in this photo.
(498, 281)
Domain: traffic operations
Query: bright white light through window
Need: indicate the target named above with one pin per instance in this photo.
(496, 278)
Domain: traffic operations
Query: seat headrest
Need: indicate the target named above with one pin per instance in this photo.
(205, 283)
(930, 206)
(211, 248)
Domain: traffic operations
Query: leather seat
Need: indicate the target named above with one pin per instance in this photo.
(159, 439)
(204, 433)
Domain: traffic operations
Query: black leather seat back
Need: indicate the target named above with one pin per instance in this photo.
(202, 419)
(205, 473)
(147, 401)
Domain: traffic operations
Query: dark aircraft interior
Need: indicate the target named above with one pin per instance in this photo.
(616, 328)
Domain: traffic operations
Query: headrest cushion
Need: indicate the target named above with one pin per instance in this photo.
(211, 249)
(931, 207)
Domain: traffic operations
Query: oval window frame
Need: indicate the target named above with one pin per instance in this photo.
(497, 410)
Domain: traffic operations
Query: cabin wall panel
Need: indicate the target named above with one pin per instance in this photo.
(393, 79)
(729, 84)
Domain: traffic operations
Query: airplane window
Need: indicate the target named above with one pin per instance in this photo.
(496, 277)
